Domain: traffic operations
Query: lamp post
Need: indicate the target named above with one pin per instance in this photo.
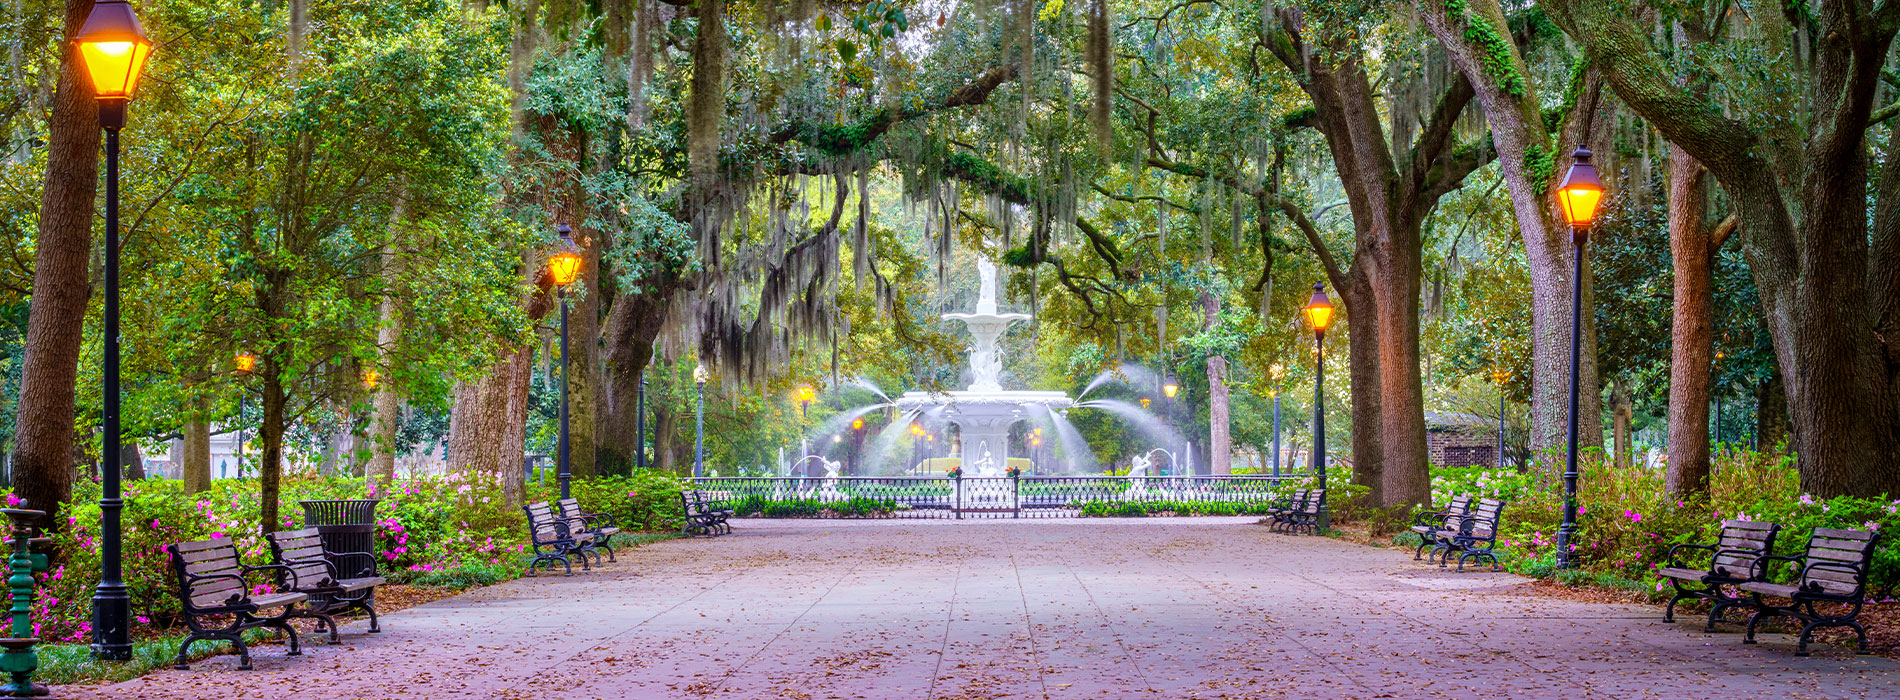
(1169, 389)
(1319, 315)
(564, 264)
(804, 395)
(1577, 197)
(1499, 376)
(857, 446)
(1277, 372)
(112, 48)
(699, 420)
(640, 423)
(245, 363)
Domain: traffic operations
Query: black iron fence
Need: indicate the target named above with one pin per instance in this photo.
(994, 497)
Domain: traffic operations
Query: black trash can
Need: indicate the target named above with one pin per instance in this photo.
(345, 526)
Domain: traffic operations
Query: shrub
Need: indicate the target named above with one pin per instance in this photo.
(448, 530)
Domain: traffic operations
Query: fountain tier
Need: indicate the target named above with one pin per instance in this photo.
(985, 412)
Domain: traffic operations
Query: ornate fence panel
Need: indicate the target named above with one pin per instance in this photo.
(996, 497)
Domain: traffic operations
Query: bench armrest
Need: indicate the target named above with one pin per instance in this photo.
(1675, 560)
(1760, 570)
(368, 570)
(283, 571)
(1436, 517)
(1465, 528)
(1845, 567)
(1744, 553)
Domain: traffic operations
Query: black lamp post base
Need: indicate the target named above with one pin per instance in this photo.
(111, 619)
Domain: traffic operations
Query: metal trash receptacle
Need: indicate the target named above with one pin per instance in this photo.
(345, 526)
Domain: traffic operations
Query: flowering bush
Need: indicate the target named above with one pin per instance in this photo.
(453, 529)
(1627, 520)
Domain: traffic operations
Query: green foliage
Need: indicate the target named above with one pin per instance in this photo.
(852, 507)
(451, 530)
(1628, 521)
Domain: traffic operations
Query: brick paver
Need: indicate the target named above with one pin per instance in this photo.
(1110, 608)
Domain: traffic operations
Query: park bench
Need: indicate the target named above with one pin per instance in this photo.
(1833, 572)
(1731, 562)
(597, 530)
(211, 583)
(703, 517)
(1303, 513)
(1282, 511)
(304, 566)
(1474, 538)
(1427, 525)
(550, 539)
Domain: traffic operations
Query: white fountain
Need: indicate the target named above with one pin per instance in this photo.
(984, 412)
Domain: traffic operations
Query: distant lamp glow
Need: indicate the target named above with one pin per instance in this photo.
(1170, 389)
(857, 424)
(564, 264)
(916, 430)
(1319, 309)
(1498, 376)
(245, 362)
(837, 439)
(805, 394)
(370, 377)
(1581, 191)
(113, 48)
(1144, 401)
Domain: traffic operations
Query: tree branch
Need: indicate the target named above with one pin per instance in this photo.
(838, 140)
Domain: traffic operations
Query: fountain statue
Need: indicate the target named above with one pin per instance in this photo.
(985, 412)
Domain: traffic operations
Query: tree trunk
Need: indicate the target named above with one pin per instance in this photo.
(43, 471)
(631, 329)
(195, 462)
(1220, 446)
(1771, 414)
(1691, 327)
(1362, 367)
(1530, 162)
(386, 406)
(131, 460)
(1621, 411)
(271, 462)
(1406, 476)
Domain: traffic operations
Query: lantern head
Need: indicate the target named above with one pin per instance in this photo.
(1144, 401)
(1319, 309)
(564, 264)
(857, 424)
(1170, 388)
(245, 362)
(370, 377)
(1580, 191)
(113, 48)
(805, 394)
(700, 374)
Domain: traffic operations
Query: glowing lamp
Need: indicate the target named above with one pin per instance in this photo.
(1144, 401)
(1319, 309)
(370, 378)
(245, 362)
(1580, 191)
(113, 48)
(805, 394)
(564, 264)
(1499, 375)
(700, 374)
(835, 439)
(1170, 389)
(857, 424)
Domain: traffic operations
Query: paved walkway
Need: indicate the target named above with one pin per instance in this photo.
(1112, 608)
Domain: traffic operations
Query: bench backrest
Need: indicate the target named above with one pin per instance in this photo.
(1742, 543)
(1313, 499)
(1837, 561)
(1484, 519)
(571, 512)
(216, 558)
(301, 551)
(542, 523)
(1456, 513)
(1298, 499)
